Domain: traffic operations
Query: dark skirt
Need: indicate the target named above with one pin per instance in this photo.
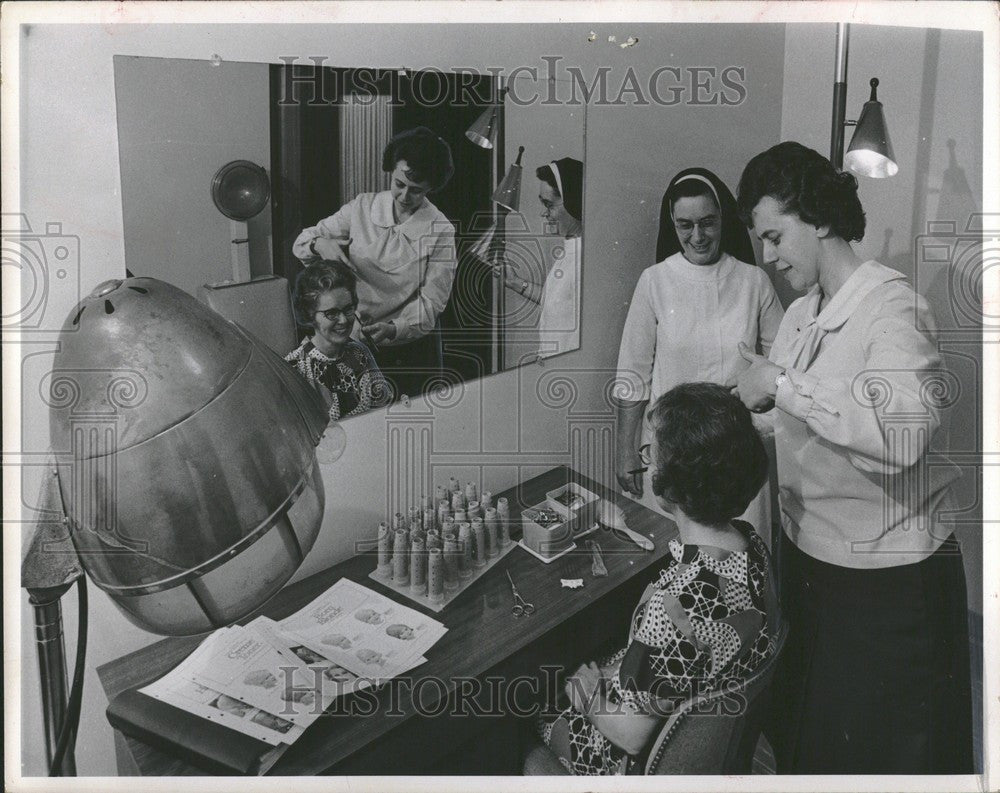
(413, 367)
(874, 678)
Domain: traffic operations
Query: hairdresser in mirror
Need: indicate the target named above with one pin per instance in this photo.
(875, 676)
(709, 618)
(341, 369)
(560, 192)
(687, 315)
(402, 249)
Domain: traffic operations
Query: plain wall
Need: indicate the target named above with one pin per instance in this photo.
(179, 121)
(499, 430)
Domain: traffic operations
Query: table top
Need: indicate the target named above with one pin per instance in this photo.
(482, 631)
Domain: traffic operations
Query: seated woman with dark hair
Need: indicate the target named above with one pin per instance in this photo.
(710, 616)
(325, 301)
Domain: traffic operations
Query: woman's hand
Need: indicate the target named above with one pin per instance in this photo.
(380, 332)
(755, 386)
(628, 469)
(331, 250)
(584, 686)
(511, 277)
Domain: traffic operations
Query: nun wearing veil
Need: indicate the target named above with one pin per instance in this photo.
(688, 315)
(560, 192)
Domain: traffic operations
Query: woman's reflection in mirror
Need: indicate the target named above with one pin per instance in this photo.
(560, 192)
(342, 369)
(402, 249)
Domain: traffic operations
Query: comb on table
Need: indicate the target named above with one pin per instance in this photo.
(597, 567)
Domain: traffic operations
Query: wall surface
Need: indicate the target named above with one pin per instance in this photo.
(179, 121)
(502, 429)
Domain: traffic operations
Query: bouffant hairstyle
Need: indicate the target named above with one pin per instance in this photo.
(710, 460)
(427, 156)
(805, 183)
(316, 280)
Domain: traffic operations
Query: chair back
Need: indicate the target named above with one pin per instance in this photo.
(716, 732)
(262, 306)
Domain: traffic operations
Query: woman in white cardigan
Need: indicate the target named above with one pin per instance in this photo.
(876, 673)
(686, 318)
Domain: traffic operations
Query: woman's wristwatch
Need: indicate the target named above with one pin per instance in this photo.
(523, 289)
(781, 378)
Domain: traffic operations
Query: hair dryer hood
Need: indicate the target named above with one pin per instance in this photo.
(240, 189)
(186, 456)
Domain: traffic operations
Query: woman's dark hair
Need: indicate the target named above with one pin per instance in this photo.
(571, 175)
(427, 156)
(315, 281)
(710, 460)
(806, 184)
(691, 182)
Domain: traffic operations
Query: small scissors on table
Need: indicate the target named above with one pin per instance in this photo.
(521, 607)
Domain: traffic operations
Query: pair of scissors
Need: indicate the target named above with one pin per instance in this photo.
(522, 607)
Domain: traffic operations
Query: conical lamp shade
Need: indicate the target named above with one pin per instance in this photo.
(481, 248)
(508, 192)
(870, 153)
(484, 130)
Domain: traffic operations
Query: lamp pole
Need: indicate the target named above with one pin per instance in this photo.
(839, 96)
(500, 219)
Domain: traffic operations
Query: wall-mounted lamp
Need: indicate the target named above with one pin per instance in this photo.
(870, 151)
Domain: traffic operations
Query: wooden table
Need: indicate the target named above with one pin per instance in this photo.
(458, 713)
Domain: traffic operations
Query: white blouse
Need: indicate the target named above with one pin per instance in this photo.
(864, 404)
(686, 321)
(559, 321)
(405, 270)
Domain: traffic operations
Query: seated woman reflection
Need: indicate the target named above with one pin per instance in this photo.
(402, 249)
(560, 192)
(342, 369)
(709, 618)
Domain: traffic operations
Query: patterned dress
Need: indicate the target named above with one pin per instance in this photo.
(350, 384)
(703, 624)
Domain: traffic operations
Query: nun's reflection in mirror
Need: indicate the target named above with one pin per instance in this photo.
(560, 192)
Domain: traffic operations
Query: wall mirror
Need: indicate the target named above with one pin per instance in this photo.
(319, 133)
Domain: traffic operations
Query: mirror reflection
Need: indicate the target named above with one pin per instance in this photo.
(387, 232)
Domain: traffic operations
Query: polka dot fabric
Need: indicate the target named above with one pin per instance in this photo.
(703, 625)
